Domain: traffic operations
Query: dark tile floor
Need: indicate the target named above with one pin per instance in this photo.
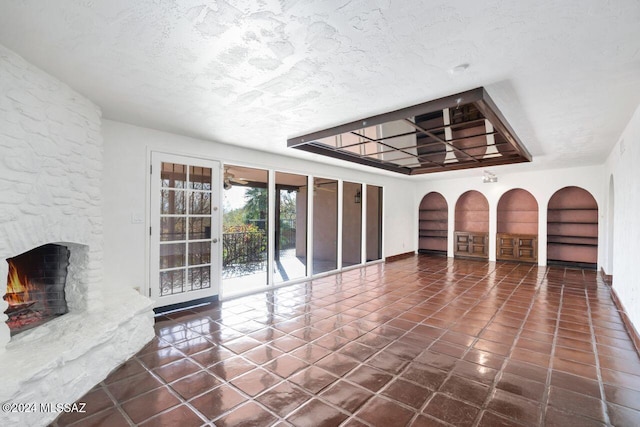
(424, 341)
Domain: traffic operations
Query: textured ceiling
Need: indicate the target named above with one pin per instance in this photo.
(566, 75)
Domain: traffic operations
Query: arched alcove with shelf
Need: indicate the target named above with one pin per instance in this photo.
(472, 225)
(572, 228)
(517, 226)
(433, 217)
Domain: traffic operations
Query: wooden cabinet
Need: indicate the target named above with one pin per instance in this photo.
(517, 247)
(470, 244)
(472, 226)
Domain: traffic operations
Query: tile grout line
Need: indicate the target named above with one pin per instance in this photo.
(361, 363)
(230, 384)
(603, 396)
(400, 302)
(547, 389)
(187, 402)
(317, 395)
(470, 347)
(445, 331)
(118, 406)
(398, 375)
(516, 338)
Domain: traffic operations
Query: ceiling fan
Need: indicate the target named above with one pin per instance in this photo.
(321, 187)
(230, 178)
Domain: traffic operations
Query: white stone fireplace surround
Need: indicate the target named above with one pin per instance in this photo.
(59, 361)
(51, 192)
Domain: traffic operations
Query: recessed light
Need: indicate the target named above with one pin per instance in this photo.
(459, 68)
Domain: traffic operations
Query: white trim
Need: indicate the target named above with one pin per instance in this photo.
(310, 189)
(363, 200)
(157, 158)
(271, 224)
(339, 231)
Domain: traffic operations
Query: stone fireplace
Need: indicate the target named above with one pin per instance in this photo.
(35, 287)
(51, 196)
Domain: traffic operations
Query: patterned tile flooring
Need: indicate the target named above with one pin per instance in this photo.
(423, 341)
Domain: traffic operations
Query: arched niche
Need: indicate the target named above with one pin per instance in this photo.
(433, 217)
(472, 225)
(517, 226)
(572, 228)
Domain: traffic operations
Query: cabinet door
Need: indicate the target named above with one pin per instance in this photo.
(528, 248)
(479, 245)
(507, 247)
(470, 244)
(520, 247)
(461, 243)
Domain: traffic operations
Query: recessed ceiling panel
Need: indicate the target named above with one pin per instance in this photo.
(456, 132)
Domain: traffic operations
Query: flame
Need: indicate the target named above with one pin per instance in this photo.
(17, 287)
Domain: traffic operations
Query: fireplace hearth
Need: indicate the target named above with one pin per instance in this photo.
(36, 287)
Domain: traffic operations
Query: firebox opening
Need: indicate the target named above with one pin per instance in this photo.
(35, 287)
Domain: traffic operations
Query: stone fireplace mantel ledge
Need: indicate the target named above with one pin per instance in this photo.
(62, 359)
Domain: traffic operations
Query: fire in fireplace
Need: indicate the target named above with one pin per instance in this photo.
(35, 287)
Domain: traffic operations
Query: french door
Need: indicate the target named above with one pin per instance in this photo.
(185, 223)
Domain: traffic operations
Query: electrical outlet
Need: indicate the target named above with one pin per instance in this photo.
(137, 218)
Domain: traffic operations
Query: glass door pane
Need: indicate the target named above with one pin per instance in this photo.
(183, 249)
(325, 225)
(245, 233)
(291, 227)
(351, 224)
(374, 223)
(185, 252)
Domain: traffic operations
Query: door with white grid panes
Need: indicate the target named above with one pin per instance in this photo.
(185, 224)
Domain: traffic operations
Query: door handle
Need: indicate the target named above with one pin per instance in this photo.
(215, 240)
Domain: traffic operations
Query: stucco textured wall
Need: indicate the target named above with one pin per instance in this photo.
(622, 165)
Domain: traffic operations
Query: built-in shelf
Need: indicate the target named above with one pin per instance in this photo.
(433, 224)
(572, 228)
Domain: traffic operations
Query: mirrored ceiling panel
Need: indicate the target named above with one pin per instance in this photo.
(460, 131)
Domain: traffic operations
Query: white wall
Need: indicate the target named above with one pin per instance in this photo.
(542, 185)
(622, 165)
(125, 190)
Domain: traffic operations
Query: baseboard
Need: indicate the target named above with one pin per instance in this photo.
(432, 252)
(185, 305)
(399, 256)
(608, 278)
(631, 330)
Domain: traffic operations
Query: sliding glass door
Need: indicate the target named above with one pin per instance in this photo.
(217, 229)
(245, 229)
(374, 223)
(325, 225)
(351, 224)
(290, 255)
